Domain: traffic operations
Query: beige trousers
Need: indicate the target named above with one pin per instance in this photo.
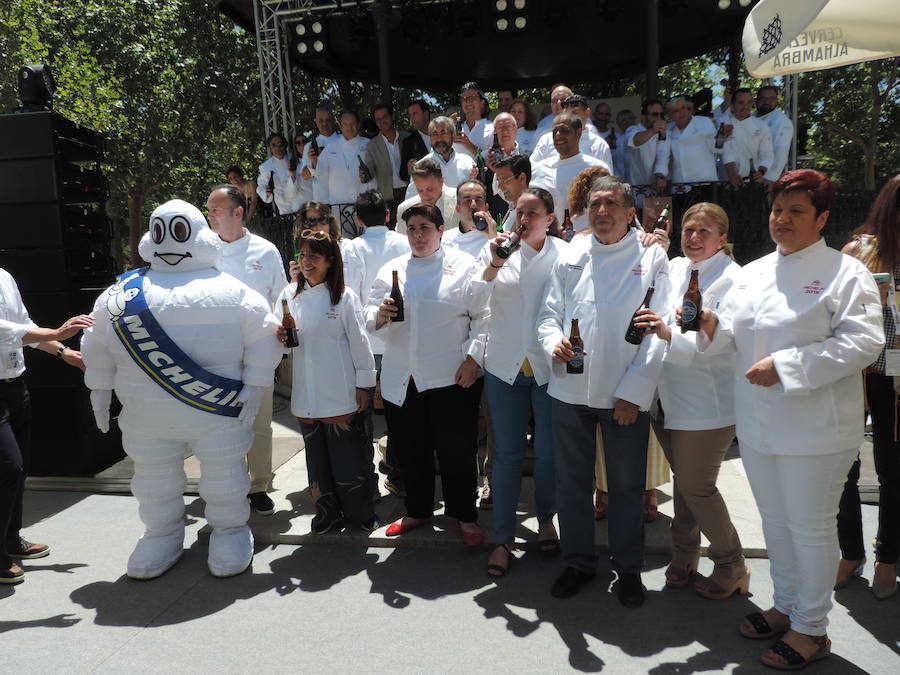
(695, 457)
(259, 459)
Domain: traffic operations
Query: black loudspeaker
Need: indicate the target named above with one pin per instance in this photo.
(52, 225)
(55, 269)
(48, 134)
(49, 180)
(65, 440)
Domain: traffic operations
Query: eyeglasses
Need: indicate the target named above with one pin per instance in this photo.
(318, 235)
(278, 144)
(321, 220)
(504, 181)
(471, 97)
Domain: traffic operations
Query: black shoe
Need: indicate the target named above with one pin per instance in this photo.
(328, 515)
(395, 486)
(370, 524)
(570, 582)
(261, 503)
(630, 590)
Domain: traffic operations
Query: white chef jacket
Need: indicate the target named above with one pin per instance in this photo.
(283, 192)
(319, 186)
(782, 130)
(339, 167)
(556, 175)
(14, 324)
(255, 261)
(817, 313)
(590, 143)
(334, 357)
(697, 390)
(457, 169)
(370, 251)
(639, 159)
(602, 285)
(446, 314)
(688, 155)
(526, 138)
(471, 242)
(481, 135)
(750, 139)
(518, 294)
(446, 204)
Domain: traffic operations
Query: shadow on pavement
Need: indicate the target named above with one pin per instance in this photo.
(57, 621)
(881, 618)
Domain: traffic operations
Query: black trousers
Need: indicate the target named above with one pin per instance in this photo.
(15, 434)
(442, 421)
(882, 406)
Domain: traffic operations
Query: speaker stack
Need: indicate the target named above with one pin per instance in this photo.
(55, 242)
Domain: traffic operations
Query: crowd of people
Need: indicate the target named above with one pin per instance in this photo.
(491, 284)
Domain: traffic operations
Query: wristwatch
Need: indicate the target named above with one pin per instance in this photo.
(59, 352)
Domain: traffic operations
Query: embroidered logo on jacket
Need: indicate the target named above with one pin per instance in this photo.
(815, 288)
(257, 265)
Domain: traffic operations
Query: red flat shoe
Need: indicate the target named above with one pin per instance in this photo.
(473, 539)
(397, 528)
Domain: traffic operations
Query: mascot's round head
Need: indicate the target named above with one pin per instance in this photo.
(179, 239)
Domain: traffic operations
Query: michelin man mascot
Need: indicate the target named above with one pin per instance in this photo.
(188, 350)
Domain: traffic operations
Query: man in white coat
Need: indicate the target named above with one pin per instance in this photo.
(780, 126)
(749, 144)
(688, 155)
(471, 200)
(428, 180)
(327, 134)
(600, 282)
(257, 262)
(189, 351)
(589, 143)
(456, 167)
(275, 182)
(641, 141)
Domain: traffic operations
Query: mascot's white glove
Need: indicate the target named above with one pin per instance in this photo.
(101, 399)
(251, 397)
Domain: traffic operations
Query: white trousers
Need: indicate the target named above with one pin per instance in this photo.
(797, 496)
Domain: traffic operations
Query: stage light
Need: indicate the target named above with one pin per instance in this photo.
(36, 86)
(310, 39)
(724, 4)
(745, 3)
(510, 19)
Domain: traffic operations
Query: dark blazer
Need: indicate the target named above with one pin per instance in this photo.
(412, 147)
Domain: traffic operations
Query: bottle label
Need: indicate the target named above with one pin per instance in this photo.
(688, 311)
(577, 361)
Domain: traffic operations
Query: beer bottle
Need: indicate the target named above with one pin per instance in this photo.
(289, 326)
(634, 335)
(567, 227)
(479, 162)
(481, 223)
(662, 223)
(691, 304)
(751, 172)
(397, 297)
(611, 140)
(575, 365)
(720, 137)
(505, 249)
(366, 173)
(662, 135)
(314, 147)
(272, 188)
(496, 150)
(292, 161)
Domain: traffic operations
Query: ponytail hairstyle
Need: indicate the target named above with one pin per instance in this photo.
(547, 200)
(717, 213)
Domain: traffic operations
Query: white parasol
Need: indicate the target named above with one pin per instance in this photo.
(795, 36)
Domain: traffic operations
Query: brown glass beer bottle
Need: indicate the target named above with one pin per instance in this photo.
(634, 335)
(691, 304)
(397, 297)
(289, 325)
(575, 365)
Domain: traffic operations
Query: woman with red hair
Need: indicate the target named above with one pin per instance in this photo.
(804, 321)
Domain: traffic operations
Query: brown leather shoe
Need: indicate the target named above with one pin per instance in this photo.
(28, 551)
(11, 574)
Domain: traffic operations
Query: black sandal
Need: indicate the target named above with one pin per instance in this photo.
(794, 659)
(495, 571)
(761, 628)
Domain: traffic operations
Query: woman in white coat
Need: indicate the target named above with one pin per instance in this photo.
(517, 373)
(804, 321)
(333, 372)
(695, 425)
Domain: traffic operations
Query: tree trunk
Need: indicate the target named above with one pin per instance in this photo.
(135, 228)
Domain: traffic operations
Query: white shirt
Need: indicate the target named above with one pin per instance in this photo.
(688, 155)
(698, 392)
(750, 139)
(556, 175)
(639, 159)
(393, 150)
(456, 170)
(618, 154)
(590, 144)
(471, 242)
(481, 135)
(817, 313)
(446, 314)
(283, 192)
(526, 138)
(319, 186)
(602, 285)
(370, 251)
(446, 204)
(14, 323)
(334, 357)
(518, 294)
(255, 261)
(339, 167)
(782, 130)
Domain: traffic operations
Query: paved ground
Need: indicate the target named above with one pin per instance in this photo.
(352, 603)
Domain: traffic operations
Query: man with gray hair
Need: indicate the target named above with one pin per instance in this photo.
(600, 281)
(688, 155)
(326, 127)
(456, 167)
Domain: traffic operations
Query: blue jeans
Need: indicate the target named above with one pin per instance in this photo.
(575, 441)
(510, 406)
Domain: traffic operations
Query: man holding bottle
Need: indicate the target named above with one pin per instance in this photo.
(257, 262)
(601, 281)
(325, 125)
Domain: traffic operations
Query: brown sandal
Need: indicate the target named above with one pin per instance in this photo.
(496, 571)
(707, 587)
(679, 577)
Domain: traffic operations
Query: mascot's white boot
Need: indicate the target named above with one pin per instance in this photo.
(188, 350)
